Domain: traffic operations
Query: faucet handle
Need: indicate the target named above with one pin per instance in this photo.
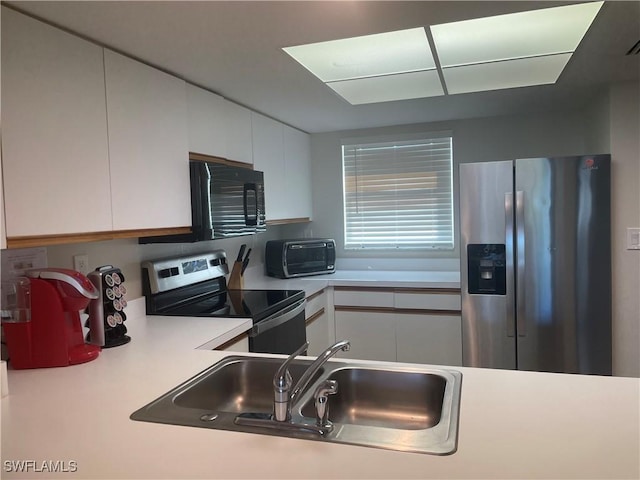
(326, 388)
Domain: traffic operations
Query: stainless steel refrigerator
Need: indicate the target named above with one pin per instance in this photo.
(536, 264)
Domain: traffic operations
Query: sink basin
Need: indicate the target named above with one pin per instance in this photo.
(378, 405)
(382, 398)
(238, 385)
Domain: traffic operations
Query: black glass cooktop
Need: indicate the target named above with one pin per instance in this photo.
(256, 304)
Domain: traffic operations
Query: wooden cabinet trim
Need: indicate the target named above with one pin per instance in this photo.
(314, 317)
(414, 290)
(45, 240)
(397, 311)
(233, 341)
(201, 157)
(316, 294)
(286, 221)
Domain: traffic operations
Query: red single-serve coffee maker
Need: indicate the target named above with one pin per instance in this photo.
(53, 337)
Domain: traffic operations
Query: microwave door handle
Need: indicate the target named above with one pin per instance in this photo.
(250, 220)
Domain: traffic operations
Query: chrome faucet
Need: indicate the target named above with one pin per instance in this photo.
(284, 395)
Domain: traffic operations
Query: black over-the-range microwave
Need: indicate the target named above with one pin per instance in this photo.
(300, 257)
(226, 201)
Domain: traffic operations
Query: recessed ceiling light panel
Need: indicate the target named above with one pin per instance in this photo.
(367, 56)
(517, 35)
(388, 88)
(523, 72)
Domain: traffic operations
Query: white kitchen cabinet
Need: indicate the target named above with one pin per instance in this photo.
(238, 344)
(284, 155)
(148, 145)
(429, 339)
(268, 157)
(238, 132)
(372, 335)
(3, 236)
(365, 297)
(54, 131)
(409, 325)
(206, 122)
(320, 335)
(297, 167)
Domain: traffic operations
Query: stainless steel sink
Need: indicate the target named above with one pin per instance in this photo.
(243, 384)
(411, 409)
(383, 398)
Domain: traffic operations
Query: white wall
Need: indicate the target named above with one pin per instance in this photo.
(128, 254)
(482, 139)
(625, 207)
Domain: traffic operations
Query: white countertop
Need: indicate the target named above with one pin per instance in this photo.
(356, 278)
(512, 424)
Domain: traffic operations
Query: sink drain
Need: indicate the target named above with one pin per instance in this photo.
(209, 417)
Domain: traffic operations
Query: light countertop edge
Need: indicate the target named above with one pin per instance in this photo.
(255, 278)
(512, 424)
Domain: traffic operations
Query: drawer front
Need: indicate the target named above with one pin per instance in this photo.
(363, 298)
(315, 303)
(428, 301)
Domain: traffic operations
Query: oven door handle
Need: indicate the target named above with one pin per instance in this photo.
(278, 318)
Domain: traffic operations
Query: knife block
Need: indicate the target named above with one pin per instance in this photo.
(236, 281)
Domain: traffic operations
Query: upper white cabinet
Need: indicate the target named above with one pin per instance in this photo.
(218, 127)
(148, 145)
(54, 131)
(297, 165)
(283, 154)
(239, 132)
(268, 157)
(207, 127)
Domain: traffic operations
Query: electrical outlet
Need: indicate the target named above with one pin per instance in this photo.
(81, 263)
(633, 238)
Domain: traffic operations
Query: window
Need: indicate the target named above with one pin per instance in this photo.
(398, 194)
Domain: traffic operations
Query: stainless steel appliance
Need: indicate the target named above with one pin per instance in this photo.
(195, 286)
(536, 264)
(300, 257)
(226, 201)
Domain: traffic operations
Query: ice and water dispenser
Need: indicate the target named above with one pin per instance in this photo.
(486, 268)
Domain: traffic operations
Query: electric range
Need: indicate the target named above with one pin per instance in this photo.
(195, 286)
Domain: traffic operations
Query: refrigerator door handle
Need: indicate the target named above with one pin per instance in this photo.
(520, 262)
(508, 241)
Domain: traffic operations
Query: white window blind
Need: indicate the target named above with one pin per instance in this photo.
(399, 194)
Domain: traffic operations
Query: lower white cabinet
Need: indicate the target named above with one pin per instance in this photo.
(400, 324)
(318, 320)
(402, 337)
(429, 338)
(372, 335)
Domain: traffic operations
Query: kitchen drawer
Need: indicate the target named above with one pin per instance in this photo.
(363, 297)
(315, 303)
(428, 299)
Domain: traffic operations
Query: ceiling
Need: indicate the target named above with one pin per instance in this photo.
(234, 48)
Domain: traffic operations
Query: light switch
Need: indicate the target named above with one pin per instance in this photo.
(633, 238)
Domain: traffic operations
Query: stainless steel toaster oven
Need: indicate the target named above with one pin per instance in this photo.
(300, 257)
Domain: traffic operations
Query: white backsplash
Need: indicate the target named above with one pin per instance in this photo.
(399, 264)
